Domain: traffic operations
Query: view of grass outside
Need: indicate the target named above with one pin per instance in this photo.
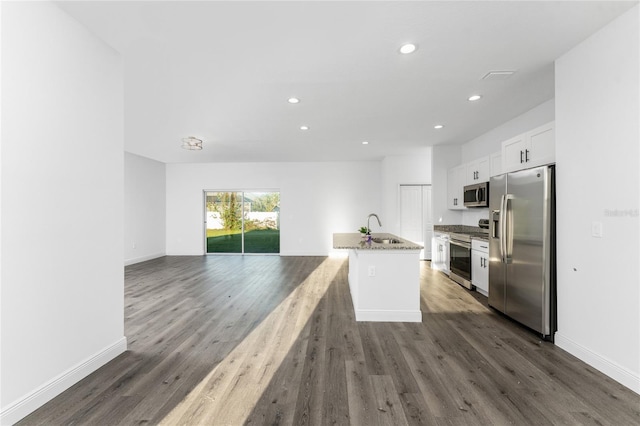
(257, 241)
(231, 213)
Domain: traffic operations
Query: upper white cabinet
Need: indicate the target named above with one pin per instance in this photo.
(530, 149)
(496, 163)
(478, 171)
(456, 180)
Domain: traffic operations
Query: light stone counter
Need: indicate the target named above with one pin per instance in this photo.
(356, 241)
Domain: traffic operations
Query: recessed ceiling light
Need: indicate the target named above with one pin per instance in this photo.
(304, 127)
(365, 143)
(408, 48)
(438, 126)
(474, 97)
(293, 100)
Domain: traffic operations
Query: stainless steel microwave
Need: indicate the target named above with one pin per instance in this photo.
(476, 195)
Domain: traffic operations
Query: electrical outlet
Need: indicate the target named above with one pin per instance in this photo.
(372, 271)
(596, 229)
(133, 245)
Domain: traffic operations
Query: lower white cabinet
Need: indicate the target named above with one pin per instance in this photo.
(480, 266)
(440, 253)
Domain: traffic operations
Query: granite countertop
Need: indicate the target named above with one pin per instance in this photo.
(475, 231)
(354, 240)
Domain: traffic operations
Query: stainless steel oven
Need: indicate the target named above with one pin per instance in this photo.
(460, 259)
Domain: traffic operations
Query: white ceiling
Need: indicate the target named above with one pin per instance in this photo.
(223, 71)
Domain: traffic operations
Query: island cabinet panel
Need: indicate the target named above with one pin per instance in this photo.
(384, 277)
(387, 285)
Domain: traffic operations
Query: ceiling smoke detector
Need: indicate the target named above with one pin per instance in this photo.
(498, 75)
(192, 143)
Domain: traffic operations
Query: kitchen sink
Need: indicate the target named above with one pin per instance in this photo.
(385, 240)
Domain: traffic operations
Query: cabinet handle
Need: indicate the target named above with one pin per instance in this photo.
(521, 153)
(526, 155)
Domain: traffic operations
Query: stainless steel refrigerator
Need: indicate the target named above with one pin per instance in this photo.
(522, 248)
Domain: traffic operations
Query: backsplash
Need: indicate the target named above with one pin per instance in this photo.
(459, 228)
(471, 217)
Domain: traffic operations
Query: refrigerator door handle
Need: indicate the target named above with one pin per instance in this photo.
(508, 229)
(501, 222)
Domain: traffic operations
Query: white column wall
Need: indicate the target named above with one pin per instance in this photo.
(317, 200)
(144, 209)
(597, 150)
(62, 313)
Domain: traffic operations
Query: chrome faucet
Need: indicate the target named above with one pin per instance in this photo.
(369, 218)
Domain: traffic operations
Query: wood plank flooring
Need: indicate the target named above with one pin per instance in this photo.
(267, 340)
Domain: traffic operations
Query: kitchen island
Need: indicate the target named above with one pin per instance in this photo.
(384, 276)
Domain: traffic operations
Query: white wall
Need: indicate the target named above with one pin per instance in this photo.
(396, 171)
(144, 209)
(62, 313)
(316, 200)
(597, 148)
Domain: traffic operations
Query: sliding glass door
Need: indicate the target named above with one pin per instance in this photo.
(242, 222)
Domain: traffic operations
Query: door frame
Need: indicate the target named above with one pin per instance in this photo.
(203, 230)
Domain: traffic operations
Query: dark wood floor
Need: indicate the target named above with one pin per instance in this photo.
(231, 340)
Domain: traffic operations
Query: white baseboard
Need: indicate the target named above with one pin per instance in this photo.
(597, 361)
(135, 260)
(45, 393)
(388, 316)
(310, 253)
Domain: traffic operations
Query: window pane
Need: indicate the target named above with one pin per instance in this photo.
(224, 222)
(261, 222)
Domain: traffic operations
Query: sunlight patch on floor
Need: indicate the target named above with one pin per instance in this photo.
(228, 394)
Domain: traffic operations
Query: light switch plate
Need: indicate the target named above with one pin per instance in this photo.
(596, 229)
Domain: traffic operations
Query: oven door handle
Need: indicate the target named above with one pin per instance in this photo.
(461, 244)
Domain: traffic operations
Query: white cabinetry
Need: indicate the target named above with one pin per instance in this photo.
(440, 252)
(455, 188)
(530, 149)
(478, 171)
(480, 266)
(496, 163)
